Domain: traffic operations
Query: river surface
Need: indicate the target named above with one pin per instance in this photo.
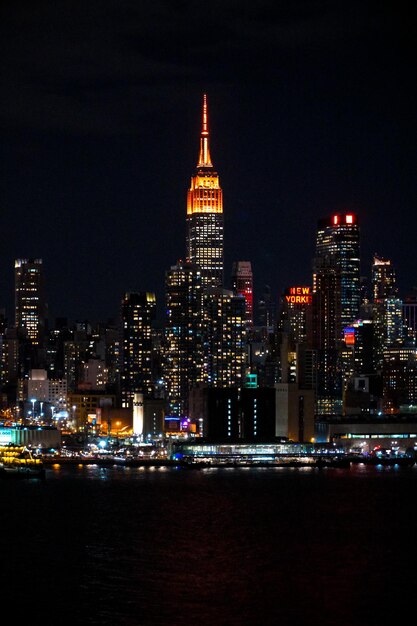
(134, 546)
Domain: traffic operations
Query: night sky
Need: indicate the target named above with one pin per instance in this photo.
(312, 109)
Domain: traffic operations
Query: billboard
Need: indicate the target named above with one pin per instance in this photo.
(298, 295)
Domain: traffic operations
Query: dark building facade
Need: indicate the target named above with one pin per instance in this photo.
(225, 338)
(30, 304)
(138, 313)
(240, 414)
(183, 351)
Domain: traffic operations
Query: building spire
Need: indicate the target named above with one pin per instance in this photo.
(204, 159)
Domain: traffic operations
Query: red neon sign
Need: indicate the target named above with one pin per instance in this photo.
(298, 295)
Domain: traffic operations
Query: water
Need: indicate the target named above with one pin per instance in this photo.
(241, 546)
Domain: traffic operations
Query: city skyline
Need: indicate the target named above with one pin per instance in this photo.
(310, 114)
(191, 364)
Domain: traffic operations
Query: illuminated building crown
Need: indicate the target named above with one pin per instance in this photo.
(204, 159)
(205, 194)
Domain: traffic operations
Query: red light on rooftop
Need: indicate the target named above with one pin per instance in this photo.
(335, 219)
(349, 219)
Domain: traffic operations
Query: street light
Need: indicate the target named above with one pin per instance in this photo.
(118, 424)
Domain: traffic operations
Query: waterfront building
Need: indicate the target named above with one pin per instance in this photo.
(238, 413)
(205, 214)
(138, 313)
(295, 411)
(363, 395)
(399, 372)
(90, 408)
(280, 452)
(365, 432)
(183, 352)
(45, 437)
(242, 284)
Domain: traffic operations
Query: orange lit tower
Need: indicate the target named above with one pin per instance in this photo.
(205, 215)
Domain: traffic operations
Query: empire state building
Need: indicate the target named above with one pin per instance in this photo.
(205, 215)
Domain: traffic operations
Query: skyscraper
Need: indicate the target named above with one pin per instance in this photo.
(294, 331)
(338, 239)
(410, 315)
(384, 283)
(225, 338)
(267, 309)
(183, 356)
(336, 300)
(205, 215)
(138, 312)
(295, 313)
(30, 305)
(327, 338)
(399, 373)
(242, 284)
(387, 308)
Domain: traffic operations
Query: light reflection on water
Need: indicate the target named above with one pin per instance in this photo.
(117, 472)
(244, 546)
